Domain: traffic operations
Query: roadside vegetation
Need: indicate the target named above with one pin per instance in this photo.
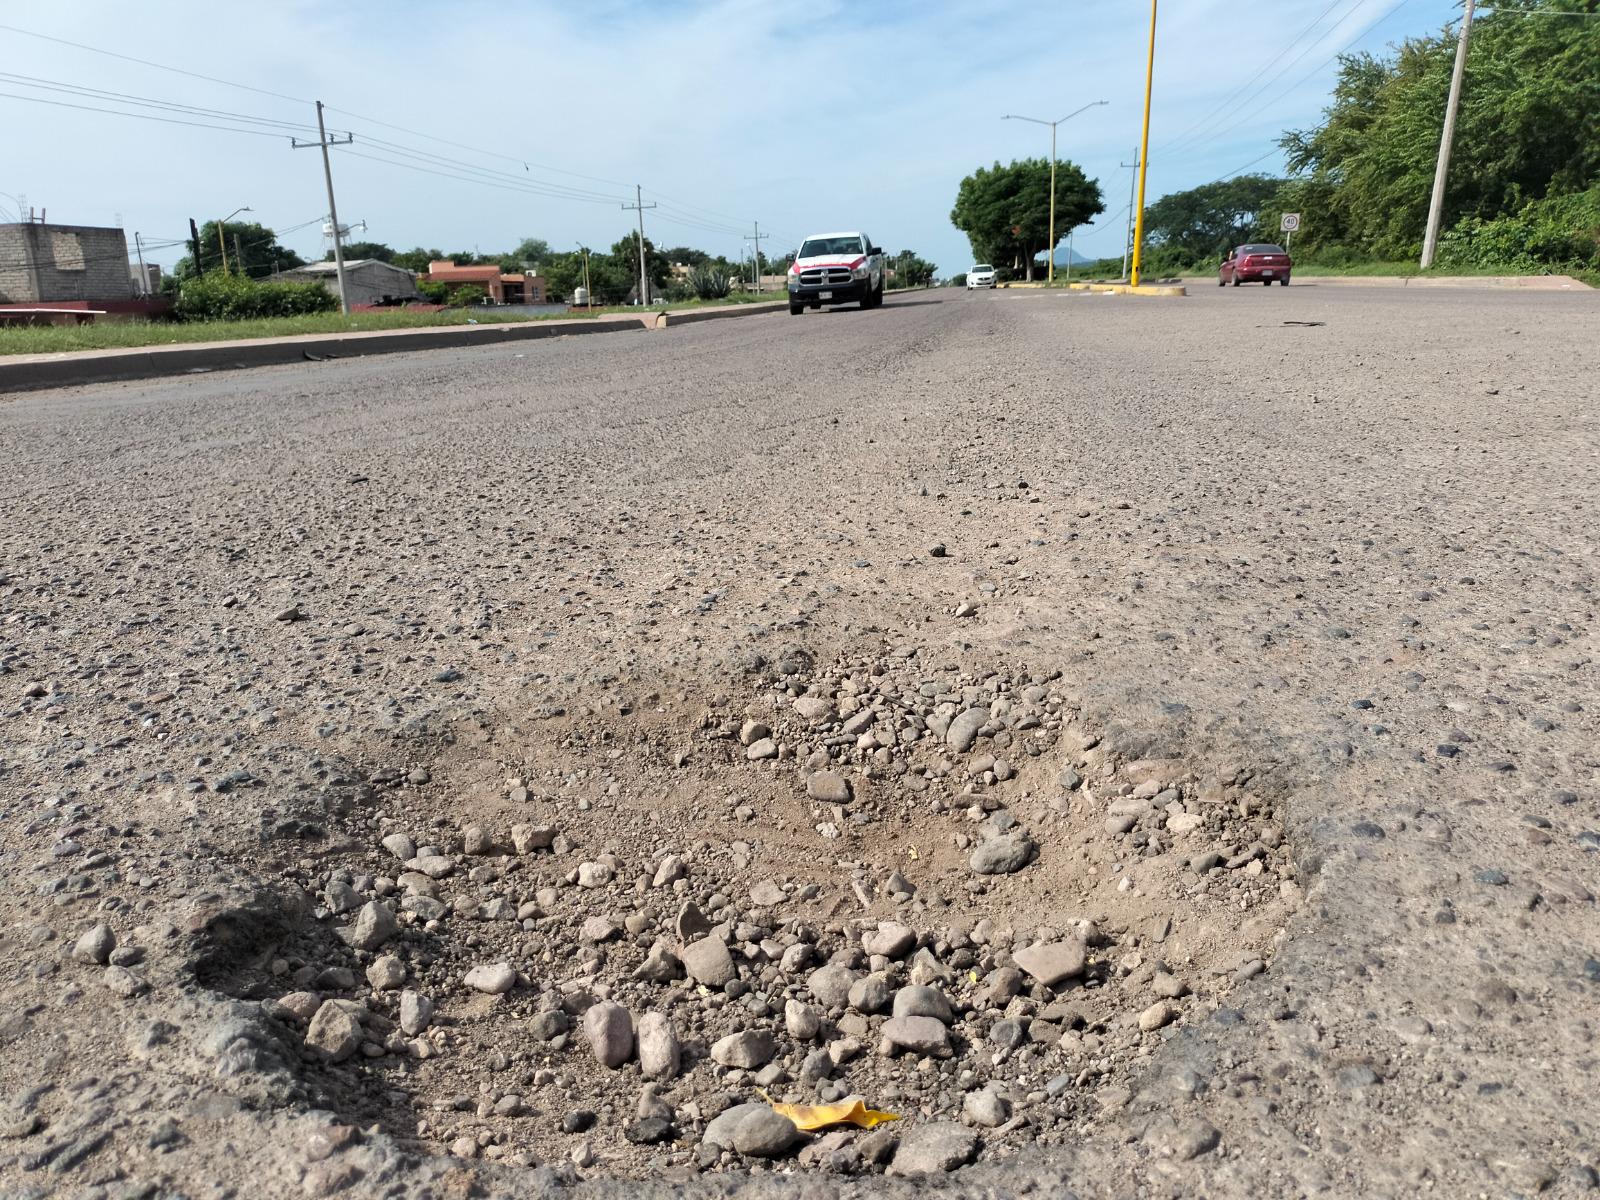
(1524, 187)
(1524, 191)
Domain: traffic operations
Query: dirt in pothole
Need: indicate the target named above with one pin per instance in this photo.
(888, 879)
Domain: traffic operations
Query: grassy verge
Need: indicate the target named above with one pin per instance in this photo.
(51, 339)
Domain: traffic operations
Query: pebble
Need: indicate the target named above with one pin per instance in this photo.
(923, 1002)
(334, 1032)
(594, 875)
(386, 973)
(374, 925)
(416, 1012)
(708, 962)
(934, 1149)
(963, 731)
(609, 1030)
(1157, 1016)
(1003, 854)
(659, 1051)
(891, 940)
(919, 1035)
(1054, 962)
(764, 1133)
(493, 979)
(831, 985)
(801, 1020)
(96, 945)
(828, 787)
(987, 1108)
(746, 1050)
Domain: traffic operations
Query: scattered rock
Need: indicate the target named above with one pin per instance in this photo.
(747, 1050)
(609, 1030)
(1003, 854)
(708, 962)
(494, 979)
(934, 1149)
(334, 1032)
(659, 1052)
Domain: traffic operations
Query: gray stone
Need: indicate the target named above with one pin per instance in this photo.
(708, 962)
(1156, 1016)
(1003, 854)
(891, 939)
(96, 945)
(986, 1108)
(609, 1030)
(934, 1149)
(870, 994)
(401, 846)
(719, 1130)
(1052, 962)
(549, 1025)
(923, 1002)
(747, 1049)
(334, 1032)
(919, 1035)
(594, 875)
(801, 1020)
(829, 787)
(831, 985)
(416, 1012)
(963, 731)
(659, 1052)
(494, 979)
(764, 1133)
(386, 973)
(767, 894)
(374, 925)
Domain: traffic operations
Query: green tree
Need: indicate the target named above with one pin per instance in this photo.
(1005, 210)
(910, 270)
(416, 259)
(1199, 222)
(625, 255)
(1529, 127)
(377, 250)
(257, 246)
(687, 255)
(467, 295)
(533, 251)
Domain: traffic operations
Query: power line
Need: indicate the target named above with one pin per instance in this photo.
(55, 85)
(117, 112)
(1298, 82)
(1240, 90)
(144, 62)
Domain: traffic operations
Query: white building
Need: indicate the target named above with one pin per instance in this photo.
(367, 280)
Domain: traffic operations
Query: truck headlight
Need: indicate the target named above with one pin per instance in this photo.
(861, 272)
(794, 282)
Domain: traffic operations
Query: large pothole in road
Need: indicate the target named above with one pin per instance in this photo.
(610, 934)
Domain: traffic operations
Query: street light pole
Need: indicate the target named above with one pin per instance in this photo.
(222, 245)
(1144, 152)
(1050, 268)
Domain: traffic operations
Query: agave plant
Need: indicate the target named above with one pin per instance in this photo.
(709, 283)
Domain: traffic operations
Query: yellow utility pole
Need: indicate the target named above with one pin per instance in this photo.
(1144, 151)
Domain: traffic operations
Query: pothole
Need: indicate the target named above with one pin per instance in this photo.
(610, 933)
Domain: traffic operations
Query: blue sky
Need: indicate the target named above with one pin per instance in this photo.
(803, 116)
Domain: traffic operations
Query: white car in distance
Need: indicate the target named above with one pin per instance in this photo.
(981, 276)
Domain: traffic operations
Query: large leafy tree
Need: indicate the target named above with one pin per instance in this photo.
(1529, 127)
(416, 259)
(1201, 221)
(533, 251)
(1005, 210)
(258, 253)
(911, 270)
(375, 250)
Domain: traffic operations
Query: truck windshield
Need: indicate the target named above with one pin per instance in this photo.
(817, 247)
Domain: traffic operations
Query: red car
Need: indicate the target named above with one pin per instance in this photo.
(1258, 262)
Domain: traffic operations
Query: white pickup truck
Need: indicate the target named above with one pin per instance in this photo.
(836, 268)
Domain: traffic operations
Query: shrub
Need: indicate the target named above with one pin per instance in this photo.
(708, 283)
(466, 296)
(222, 297)
(433, 291)
(1549, 235)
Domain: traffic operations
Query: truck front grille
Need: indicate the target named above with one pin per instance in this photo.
(824, 276)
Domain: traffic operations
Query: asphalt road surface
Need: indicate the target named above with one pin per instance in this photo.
(1331, 549)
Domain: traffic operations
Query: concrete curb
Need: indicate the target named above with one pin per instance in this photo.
(1131, 289)
(1531, 283)
(32, 372)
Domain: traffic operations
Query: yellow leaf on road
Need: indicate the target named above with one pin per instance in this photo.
(850, 1111)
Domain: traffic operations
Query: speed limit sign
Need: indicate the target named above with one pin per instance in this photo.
(1290, 222)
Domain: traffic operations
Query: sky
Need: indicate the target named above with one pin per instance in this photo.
(805, 116)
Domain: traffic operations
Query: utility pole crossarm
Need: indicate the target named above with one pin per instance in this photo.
(323, 142)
